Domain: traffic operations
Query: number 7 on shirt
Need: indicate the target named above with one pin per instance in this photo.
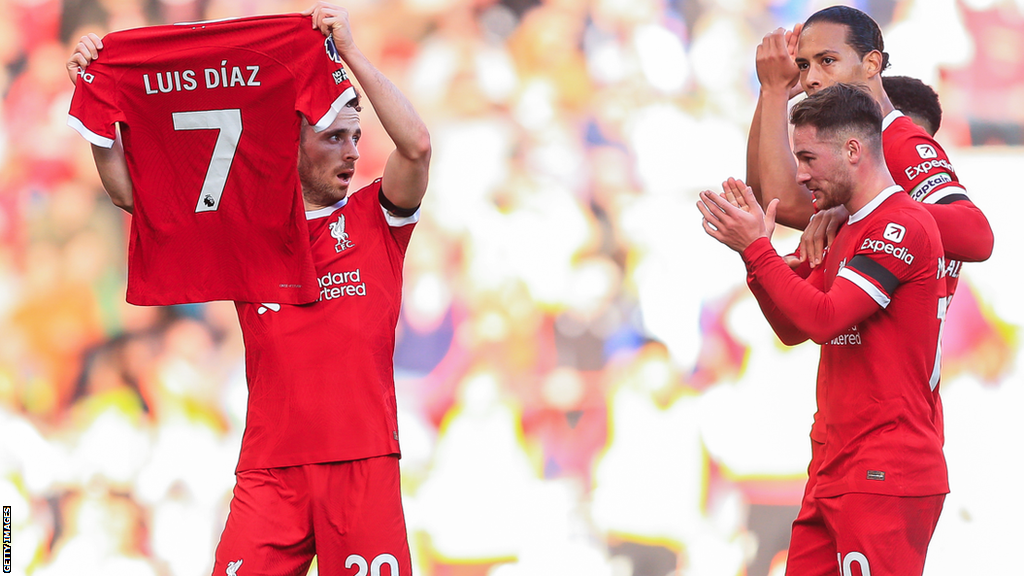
(228, 124)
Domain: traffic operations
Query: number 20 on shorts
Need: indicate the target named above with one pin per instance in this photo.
(372, 568)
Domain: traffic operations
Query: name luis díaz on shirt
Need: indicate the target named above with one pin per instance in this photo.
(222, 77)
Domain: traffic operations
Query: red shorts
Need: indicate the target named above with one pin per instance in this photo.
(349, 514)
(861, 534)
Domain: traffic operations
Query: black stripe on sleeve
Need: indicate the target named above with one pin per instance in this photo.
(952, 198)
(390, 206)
(876, 271)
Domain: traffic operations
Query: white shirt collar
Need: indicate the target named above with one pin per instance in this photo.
(321, 212)
(874, 203)
(890, 118)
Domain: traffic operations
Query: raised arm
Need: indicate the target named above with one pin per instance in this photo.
(753, 149)
(733, 191)
(787, 332)
(110, 162)
(775, 171)
(405, 175)
(113, 170)
(819, 315)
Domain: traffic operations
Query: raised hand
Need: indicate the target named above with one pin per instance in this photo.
(792, 40)
(820, 232)
(333, 21)
(733, 226)
(87, 50)
(732, 190)
(776, 64)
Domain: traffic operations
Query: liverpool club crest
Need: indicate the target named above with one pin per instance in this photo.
(338, 233)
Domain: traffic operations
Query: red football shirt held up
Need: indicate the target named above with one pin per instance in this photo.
(210, 119)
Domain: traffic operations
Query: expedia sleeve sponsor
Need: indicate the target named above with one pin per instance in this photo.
(900, 252)
(927, 166)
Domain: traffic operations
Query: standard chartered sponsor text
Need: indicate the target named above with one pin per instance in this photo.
(339, 284)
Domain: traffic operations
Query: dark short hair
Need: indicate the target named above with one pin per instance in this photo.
(841, 109)
(354, 102)
(862, 32)
(914, 98)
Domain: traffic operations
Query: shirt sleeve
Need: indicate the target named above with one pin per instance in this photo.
(810, 311)
(919, 164)
(94, 109)
(401, 222)
(890, 252)
(323, 83)
(966, 233)
(787, 332)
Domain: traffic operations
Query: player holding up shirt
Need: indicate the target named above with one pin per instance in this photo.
(877, 478)
(843, 44)
(318, 472)
(205, 110)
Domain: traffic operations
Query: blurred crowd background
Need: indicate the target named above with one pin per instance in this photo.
(585, 385)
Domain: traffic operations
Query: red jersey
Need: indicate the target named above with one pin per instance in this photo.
(209, 116)
(920, 166)
(879, 414)
(916, 161)
(320, 375)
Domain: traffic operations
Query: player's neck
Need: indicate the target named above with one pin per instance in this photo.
(313, 203)
(878, 91)
(868, 187)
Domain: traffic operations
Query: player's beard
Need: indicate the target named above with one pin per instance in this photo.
(837, 191)
(320, 190)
